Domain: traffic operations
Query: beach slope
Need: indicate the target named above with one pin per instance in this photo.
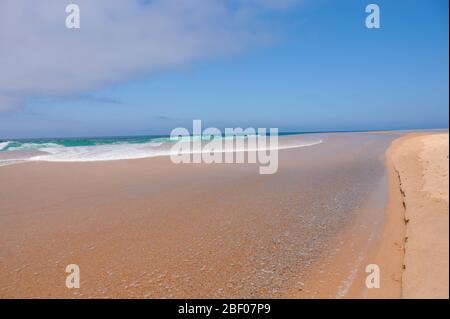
(421, 163)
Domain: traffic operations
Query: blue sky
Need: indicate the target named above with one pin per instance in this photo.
(320, 69)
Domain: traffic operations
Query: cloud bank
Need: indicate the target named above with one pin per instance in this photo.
(118, 41)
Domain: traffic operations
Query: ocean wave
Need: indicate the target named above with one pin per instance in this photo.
(52, 152)
(138, 151)
(16, 146)
(4, 145)
(99, 153)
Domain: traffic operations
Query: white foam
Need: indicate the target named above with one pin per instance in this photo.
(101, 152)
(4, 145)
(111, 152)
(34, 146)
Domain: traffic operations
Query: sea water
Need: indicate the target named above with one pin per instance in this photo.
(108, 148)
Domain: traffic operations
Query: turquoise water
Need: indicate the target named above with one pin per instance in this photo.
(42, 143)
(30, 144)
(119, 148)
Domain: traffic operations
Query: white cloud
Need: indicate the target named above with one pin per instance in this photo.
(118, 40)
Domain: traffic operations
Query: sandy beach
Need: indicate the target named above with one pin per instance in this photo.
(148, 228)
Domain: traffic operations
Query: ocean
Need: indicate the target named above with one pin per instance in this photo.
(108, 148)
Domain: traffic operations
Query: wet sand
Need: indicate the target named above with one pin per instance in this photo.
(151, 229)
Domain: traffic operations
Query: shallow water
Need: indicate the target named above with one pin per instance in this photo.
(149, 228)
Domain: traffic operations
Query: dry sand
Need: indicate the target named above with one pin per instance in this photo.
(414, 250)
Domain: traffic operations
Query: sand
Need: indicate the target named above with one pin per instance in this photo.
(413, 251)
(421, 163)
(151, 229)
